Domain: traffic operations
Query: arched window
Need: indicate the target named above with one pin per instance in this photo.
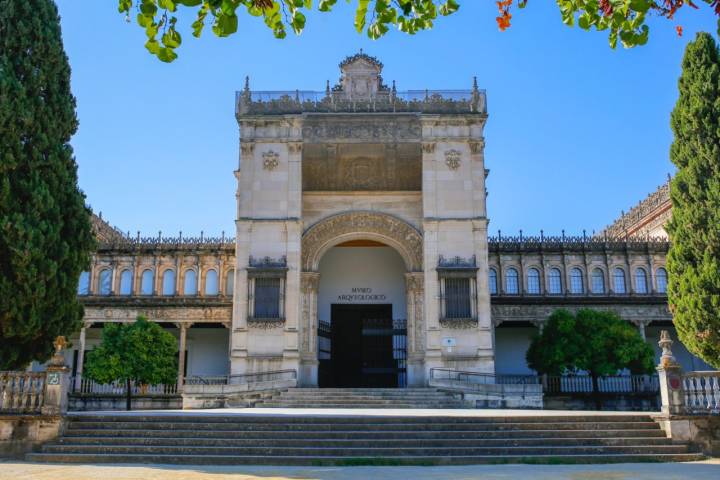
(576, 281)
(533, 281)
(84, 284)
(230, 283)
(146, 283)
(619, 280)
(105, 282)
(640, 281)
(492, 281)
(555, 281)
(598, 281)
(211, 282)
(190, 284)
(512, 286)
(661, 280)
(126, 282)
(168, 282)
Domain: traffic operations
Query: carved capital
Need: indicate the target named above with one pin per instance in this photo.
(295, 147)
(309, 282)
(477, 147)
(414, 282)
(428, 147)
(247, 148)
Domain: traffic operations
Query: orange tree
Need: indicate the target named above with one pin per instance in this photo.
(624, 20)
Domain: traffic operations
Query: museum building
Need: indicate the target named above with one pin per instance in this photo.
(362, 255)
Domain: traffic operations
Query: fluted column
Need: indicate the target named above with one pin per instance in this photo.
(415, 297)
(309, 286)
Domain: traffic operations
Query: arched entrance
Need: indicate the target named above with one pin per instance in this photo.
(354, 295)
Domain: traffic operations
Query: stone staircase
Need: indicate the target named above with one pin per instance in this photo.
(324, 439)
(361, 398)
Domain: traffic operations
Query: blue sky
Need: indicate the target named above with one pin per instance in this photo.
(576, 131)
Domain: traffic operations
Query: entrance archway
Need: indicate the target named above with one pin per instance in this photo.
(357, 229)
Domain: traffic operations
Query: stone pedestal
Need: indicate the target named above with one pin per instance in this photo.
(670, 374)
(57, 382)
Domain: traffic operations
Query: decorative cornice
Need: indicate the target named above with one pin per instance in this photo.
(653, 205)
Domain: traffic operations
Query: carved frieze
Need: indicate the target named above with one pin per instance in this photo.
(402, 234)
(539, 313)
(265, 323)
(362, 129)
(459, 323)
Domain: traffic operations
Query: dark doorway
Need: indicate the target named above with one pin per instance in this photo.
(362, 347)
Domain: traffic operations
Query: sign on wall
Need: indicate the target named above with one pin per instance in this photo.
(361, 294)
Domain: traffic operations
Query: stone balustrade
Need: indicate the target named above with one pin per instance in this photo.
(702, 392)
(22, 392)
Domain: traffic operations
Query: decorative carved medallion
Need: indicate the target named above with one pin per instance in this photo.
(452, 159)
(406, 239)
(270, 160)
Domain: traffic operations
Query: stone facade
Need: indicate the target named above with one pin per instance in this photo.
(362, 164)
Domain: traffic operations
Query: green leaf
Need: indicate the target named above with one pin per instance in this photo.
(361, 14)
(166, 55)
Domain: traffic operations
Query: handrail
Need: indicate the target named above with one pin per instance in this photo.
(482, 378)
(239, 379)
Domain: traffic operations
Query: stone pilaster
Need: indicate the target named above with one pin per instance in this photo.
(309, 285)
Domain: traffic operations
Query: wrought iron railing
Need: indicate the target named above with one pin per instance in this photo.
(22, 392)
(241, 379)
(502, 242)
(168, 242)
(702, 392)
(301, 101)
(477, 378)
(631, 384)
(90, 387)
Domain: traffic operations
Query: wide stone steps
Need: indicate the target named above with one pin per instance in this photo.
(321, 439)
(429, 398)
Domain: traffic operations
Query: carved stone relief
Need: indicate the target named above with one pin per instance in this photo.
(271, 160)
(402, 236)
(453, 158)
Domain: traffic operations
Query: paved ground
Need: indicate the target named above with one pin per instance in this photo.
(361, 412)
(663, 471)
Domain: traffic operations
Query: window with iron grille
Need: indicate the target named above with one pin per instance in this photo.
(458, 302)
(267, 297)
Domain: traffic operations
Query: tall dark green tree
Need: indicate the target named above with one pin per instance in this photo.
(45, 231)
(694, 258)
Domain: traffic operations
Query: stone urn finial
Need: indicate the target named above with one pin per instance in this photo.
(60, 343)
(667, 358)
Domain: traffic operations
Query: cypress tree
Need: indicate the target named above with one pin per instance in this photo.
(45, 231)
(694, 258)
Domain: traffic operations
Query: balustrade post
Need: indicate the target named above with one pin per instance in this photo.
(670, 374)
(57, 382)
(81, 359)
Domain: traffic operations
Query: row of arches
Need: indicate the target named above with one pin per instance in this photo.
(125, 286)
(555, 284)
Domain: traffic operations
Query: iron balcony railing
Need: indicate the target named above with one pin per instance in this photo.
(249, 102)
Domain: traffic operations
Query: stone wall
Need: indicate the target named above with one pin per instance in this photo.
(20, 434)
